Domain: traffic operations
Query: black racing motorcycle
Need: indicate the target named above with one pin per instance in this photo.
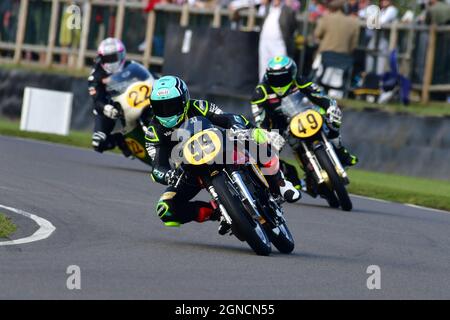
(237, 186)
(307, 134)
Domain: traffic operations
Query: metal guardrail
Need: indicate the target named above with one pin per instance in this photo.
(218, 17)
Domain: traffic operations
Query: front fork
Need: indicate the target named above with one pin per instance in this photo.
(334, 158)
(321, 176)
(215, 197)
(312, 159)
(246, 198)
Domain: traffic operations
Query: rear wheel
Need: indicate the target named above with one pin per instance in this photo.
(243, 224)
(336, 181)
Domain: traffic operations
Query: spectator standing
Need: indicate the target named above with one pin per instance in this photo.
(338, 35)
(294, 4)
(277, 34)
(352, 7)
(388, 14)
(336, 31)
(316, 10)
(362, 7)
(68, 37)
(438, 13)
(8, 18)
(37, 27)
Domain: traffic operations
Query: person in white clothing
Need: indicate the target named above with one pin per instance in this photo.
(388, 14)
(277, 34)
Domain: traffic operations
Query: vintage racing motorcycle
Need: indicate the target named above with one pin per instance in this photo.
(238, 189)
(130, 90)
(307, 135)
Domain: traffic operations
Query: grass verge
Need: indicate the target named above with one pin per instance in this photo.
(434, 108)
(391, 187)
(403, 189)
(75, 138)
(6, 226)
(418, 191)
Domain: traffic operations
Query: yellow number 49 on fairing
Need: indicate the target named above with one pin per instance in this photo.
(306, 124)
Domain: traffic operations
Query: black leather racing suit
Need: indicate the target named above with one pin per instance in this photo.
(174, 206)
(102, 139)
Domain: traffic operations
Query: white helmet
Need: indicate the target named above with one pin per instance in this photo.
(111, 52)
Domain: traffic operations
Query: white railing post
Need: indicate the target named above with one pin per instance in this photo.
(52, 32)
(87, 7)
(20, 35)
(119, 19)
(149, 33)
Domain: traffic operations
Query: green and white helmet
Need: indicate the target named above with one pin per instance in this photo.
(280, 74)
(170, 99)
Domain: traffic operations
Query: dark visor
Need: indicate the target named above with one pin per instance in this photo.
(110, 58)
(168, 108)
(279, 79)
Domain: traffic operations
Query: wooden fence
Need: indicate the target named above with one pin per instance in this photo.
(249, 22)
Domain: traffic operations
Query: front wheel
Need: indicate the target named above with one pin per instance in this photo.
(282, 239)
(330, 196)
(336, 182)
(243, 224)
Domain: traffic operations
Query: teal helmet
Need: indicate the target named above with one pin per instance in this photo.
(280, 74)
(170, 100)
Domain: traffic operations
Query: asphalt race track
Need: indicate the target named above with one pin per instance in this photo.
(103, 209)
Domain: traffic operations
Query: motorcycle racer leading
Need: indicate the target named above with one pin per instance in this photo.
(172, 105)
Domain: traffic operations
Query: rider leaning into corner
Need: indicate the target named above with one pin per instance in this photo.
(111, 58)
(280, 81)
(172, 105)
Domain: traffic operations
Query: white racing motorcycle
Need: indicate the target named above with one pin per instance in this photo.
(130, 90)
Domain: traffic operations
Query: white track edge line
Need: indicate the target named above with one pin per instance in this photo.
(404, 204)
(46, 228)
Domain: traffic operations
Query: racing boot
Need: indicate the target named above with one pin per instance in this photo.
(122, 145)
(224, 226)
(289, 192)
(280, 186)
(277, 183)
(214, 214)
(290, 172)
(347, 159)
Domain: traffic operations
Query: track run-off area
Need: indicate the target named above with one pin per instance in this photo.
(101, 209)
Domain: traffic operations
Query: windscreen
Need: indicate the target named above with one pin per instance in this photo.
(119, 82)
(294, 104)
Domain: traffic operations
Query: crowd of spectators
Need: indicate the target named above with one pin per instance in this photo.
(330, 33)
